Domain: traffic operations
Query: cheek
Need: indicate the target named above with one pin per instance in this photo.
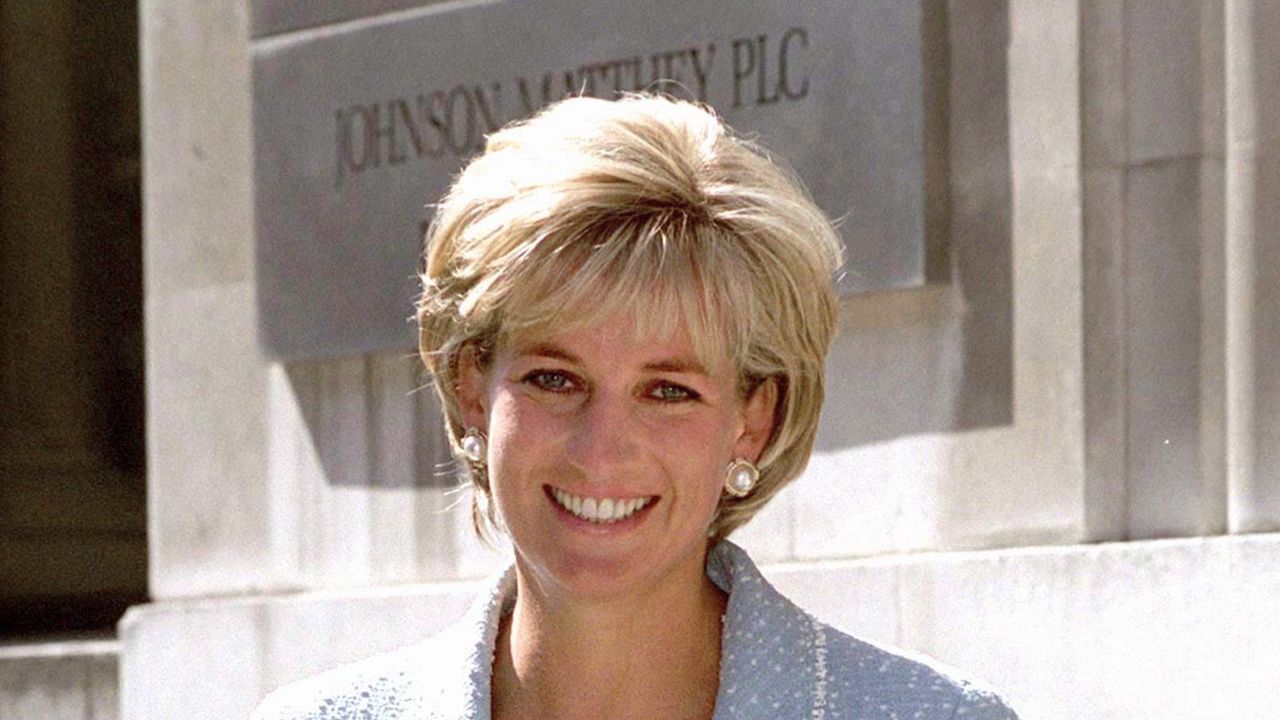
(707, 435)
(521, 434)
(509, 427)
(696, 451)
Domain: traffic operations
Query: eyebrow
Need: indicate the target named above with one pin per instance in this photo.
(551, 351)
(685, 365)
(677, 365)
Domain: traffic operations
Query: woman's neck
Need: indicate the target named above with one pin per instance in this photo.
(642, 654)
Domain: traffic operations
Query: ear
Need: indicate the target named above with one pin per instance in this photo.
(471, 389)
(757, 420)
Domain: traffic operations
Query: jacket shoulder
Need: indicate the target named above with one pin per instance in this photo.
(864, 679)
(402, 683)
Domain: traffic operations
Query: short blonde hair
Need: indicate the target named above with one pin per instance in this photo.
(644, 203)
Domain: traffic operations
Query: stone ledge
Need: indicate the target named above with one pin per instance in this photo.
(1167, 628)
(1177, 629)
(59, 649)
(60, 680)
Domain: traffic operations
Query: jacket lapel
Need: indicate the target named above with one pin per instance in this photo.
(771, 650)
(465, 679)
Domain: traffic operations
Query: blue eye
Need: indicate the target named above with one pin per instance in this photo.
(549, 380)
(668, 392)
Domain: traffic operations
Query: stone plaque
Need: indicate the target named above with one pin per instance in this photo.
(358, 127)
(271, 17)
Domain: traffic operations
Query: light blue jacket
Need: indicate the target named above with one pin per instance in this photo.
(777, 663)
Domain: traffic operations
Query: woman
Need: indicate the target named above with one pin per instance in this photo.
(626, 310)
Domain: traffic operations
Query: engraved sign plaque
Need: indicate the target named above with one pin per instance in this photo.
(359, 127)
(272, 17)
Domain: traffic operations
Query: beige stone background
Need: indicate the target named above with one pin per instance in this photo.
(1102, 543)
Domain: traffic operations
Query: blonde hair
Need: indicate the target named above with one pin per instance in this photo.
(649, 204)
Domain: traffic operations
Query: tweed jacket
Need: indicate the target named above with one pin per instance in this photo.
(777, 663)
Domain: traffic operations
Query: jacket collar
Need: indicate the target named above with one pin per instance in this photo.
(768, 637)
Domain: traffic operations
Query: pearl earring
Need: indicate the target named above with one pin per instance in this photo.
(474, 446)
(740, 477)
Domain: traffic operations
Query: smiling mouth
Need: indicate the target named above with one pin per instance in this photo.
(603, 511)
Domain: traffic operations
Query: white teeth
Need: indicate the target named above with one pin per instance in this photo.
(603, 510)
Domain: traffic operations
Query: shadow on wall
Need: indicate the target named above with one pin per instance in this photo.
(372, 421)
(939, 359)
(73, 530)
(1266, 233)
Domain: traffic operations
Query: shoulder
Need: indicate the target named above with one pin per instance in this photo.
(781, 661)
(865, 680)
(443, 677)
(401, 683)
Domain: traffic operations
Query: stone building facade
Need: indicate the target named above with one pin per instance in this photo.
(1055, 462)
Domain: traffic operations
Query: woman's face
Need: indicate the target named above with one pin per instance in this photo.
(607, 451)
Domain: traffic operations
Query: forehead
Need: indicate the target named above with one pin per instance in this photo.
(670, 320)
(615, 338)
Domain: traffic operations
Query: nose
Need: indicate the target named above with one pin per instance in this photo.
(604, 436)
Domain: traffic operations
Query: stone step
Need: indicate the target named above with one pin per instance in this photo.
(60, 680)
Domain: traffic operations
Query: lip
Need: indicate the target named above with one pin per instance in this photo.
(593, 528)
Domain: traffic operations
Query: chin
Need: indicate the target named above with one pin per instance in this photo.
(597, 571)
